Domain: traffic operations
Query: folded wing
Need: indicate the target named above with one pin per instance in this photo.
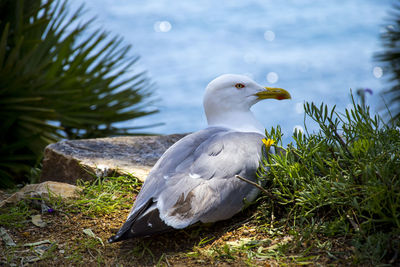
(194, 181)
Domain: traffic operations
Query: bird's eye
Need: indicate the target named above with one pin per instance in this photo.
(239, 85)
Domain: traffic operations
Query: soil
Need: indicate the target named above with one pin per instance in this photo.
(70, 246)
(67, 233)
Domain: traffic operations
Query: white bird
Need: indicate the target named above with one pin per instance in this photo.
(194, 180)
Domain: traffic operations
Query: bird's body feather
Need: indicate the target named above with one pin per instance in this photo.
(194, 181)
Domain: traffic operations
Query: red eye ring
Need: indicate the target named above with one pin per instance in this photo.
(239, 85)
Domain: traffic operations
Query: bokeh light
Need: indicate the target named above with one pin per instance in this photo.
(298, 128)
(378, 72)
(269, 36)
(162, 26)
(272, 77)
(299, 107)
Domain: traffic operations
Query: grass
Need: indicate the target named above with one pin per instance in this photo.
(15, 216)
(105, 195)
(342, 181)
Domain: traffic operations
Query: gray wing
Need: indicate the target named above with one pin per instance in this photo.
(195, 181)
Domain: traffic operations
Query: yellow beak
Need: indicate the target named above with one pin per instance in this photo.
(275, 93)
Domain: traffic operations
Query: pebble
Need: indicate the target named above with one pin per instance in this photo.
(26, 234)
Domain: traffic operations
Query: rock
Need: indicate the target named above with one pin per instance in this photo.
(42, 190)
(6, 238)
(4, 195)
(68, 161)
(38, 221)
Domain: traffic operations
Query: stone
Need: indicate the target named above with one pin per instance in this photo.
(42, 190)
(68, 161)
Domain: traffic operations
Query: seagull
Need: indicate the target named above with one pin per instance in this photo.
(195, 179)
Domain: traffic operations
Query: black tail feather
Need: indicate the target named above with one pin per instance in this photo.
(148, 222)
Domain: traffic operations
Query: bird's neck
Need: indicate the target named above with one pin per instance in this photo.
(242, 121)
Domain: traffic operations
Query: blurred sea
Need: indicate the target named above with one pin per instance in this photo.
(317, 50)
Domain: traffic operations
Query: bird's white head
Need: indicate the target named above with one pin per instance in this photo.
(229, 97)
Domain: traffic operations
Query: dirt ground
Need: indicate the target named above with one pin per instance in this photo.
(73, 245)
(66, 244)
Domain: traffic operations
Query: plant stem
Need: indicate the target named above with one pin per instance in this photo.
(256, 185)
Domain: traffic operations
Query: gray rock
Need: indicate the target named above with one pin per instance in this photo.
(42, 190)
(67, 161)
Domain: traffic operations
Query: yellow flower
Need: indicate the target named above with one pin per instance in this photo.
(268, 142)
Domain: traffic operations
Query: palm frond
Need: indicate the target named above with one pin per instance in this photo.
(53, 71)
(390, 57)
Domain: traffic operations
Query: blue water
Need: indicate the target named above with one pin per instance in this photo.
(317, 50)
